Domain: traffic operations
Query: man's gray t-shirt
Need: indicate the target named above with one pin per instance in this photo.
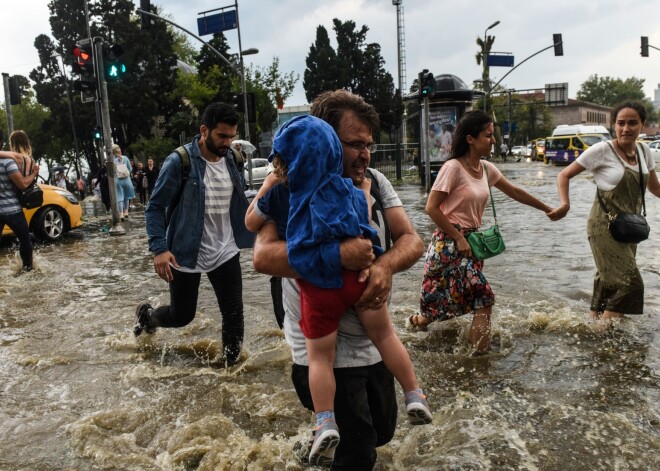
(353, 345)
(9, 203)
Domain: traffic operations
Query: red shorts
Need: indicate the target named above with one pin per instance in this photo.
(321, 308)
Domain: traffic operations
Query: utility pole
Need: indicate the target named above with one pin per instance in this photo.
(116, 228)
(10, 116)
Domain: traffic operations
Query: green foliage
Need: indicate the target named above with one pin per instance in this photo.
(157, 148)
(609, 91)
(356, 66)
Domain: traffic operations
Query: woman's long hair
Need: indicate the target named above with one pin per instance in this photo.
(19, 142)
(471, 124)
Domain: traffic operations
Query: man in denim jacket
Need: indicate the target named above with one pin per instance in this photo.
(200, 229)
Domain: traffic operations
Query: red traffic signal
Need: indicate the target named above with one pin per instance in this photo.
(83, 53)
(83, 65)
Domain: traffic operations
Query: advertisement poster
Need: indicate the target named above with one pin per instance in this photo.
(442, 123)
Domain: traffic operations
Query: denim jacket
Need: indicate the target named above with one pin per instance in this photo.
(183, 235)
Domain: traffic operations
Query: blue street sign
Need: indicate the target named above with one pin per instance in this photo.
(500, 60)
(217, 23)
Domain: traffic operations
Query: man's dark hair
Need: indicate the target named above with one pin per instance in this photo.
(218, 112)
(470, 124)
(634, 105)
(331, 107)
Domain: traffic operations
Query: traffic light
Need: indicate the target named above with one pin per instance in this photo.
(251, 108)
(83, 65)
(14, 91)
(145, 20)
(558, 43)
(98, 133)
(114, 68)
(237, 103)
(645, 46)
(426, 84)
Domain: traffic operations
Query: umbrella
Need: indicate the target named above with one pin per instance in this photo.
(247, 146)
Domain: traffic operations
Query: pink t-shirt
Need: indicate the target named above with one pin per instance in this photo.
(466, 196)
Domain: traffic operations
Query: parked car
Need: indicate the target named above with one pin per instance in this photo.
(260, 170)
(518, 151)
(655, 150)
(529, 149)
(59, 213)
(539, 152)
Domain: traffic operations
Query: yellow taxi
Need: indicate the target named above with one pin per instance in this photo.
(59, 213)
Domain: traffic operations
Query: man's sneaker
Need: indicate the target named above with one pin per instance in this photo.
(143, 319)
(417, 408)
(326, 440)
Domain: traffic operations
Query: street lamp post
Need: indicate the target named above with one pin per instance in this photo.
(246, 114)
(484, 60)
(246, 52)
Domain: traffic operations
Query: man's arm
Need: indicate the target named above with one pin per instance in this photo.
(22, 182)
(270, 255)
(406, 250)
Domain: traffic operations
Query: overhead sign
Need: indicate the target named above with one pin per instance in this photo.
(556, 94)
(217, 23)
(500, 60)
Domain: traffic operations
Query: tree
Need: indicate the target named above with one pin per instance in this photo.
(147, 86)
(321, 71)
(609, 91)
(356, 66)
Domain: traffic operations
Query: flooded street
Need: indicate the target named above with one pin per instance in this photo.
(80, 392)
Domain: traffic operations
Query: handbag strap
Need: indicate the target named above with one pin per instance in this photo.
(492, 204)
(641, 182)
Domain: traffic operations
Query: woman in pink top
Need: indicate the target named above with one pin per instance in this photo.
(453, 282)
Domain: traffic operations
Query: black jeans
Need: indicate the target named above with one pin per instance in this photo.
(365, 411)
(228, 286)
(18, 224)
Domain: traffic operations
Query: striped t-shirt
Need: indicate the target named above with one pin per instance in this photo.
(9, 203)
(218, 245)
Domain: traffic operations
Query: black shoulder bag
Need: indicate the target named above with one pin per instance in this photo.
(628, 228)
(33, 196)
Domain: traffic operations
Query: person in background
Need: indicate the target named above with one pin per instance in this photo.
(365, 399)
(615, 165)
(198, 226)
(139, 180)
(11, 179)
(60, 179)
(123, 183)
(80, 183)
(326, 208)
(151, 172)
(453, 283)
(103, 186)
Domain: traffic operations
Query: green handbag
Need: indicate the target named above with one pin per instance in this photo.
(488, 243)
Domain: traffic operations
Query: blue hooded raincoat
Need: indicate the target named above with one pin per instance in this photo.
(324, 208)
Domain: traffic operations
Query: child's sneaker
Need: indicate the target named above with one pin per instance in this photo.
(326, 440)
(417, 408)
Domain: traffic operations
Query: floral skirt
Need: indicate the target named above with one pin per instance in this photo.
(452, 285)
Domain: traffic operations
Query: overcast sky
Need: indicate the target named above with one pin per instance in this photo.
(600, 37)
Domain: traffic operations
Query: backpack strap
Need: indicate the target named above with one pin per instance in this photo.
(378, 211)
(238, 158)
(185, 172)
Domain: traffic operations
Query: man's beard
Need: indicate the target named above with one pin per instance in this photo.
(210, 146)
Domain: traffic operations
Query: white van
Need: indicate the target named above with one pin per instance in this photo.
(578, 129)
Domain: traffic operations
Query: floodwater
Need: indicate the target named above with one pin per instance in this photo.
(79, 392)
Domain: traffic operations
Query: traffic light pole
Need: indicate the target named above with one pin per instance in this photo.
(10, 116)
(424, 139)
(116, 228)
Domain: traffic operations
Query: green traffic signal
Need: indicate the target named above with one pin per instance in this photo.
(114, 71)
